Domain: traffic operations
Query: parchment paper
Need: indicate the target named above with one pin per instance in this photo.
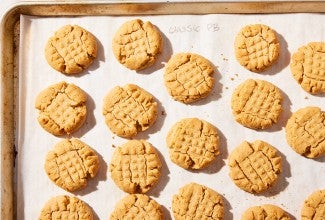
(211, 36)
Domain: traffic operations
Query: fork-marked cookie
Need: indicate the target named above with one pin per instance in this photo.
(71, 50)
(62, 108)
(257, 47)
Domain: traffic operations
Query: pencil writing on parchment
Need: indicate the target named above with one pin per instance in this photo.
(212, 27)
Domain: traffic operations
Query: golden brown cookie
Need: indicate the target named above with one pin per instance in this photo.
(137, 44)
(62, 108)
(71, 50)
(307, 67)
(256, 47)
(71, 163)
(65, 207)
(137, 207)
(188, 77)
(265, 212)
(256, 104)
(314, 206)
(254, 167)
(135, 166)
(305, 132)
(129, 110)
(195, 201)
(193, 143)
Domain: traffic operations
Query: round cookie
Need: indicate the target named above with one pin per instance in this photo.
(137, 44)
(193, 143)
(307, 67)
(314, 206)
(62, 108)
(65, 207)
(135, 166)
(265, 212)
(195, 201)
(305, 132)
(129, 110)
(71, 163)
(254, 167)
(71, 50)
(256, 104)
(137, 207)
(256, 47)
(188, 77)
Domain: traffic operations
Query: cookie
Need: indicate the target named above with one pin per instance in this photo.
(70, 163)
(135, 166)
(65, 207)
(195, 201)
(62, 108)
(193, 143)
(265, 212)
(256, 104)
(137, 207)
(254, 167)
(305, 132)
(307, 67)
(129, 110)
(188, 77)
(71, 50)
(137, 44)
(256, 47)
(314, 206)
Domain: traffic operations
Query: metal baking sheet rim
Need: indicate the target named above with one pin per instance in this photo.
(8, 59)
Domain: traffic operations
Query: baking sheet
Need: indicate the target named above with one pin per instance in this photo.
(211, 36)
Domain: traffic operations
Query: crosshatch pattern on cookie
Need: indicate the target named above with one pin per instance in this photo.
(135, 166)
(305, 132)
(188, 77)
(62, 108)
(254, 167)
(65, 207)
(314, 206)
(195, 201)
(129, 110)
(71, 163)
(137, 207)
(256, 47)
(263, 212)
(137, 44)
(193, 143)
(308, 67)
(71, 50)
(256, 104)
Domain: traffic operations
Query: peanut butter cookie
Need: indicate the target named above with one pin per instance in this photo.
(193, 143)
(137, 44)
(195, 201)
(256, 47)
(188, 77)
(307, 67)
(71, 163)
(129, 110)
(137, 207)
(265, 212)
(305, 132)
(314, 206)
(62, 108)
(65, 207)
(135, 166)
(254, 167)
(71, 50)
(256, 104)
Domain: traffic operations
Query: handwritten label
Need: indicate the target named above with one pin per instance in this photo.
(181, 29)
(211, 27)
